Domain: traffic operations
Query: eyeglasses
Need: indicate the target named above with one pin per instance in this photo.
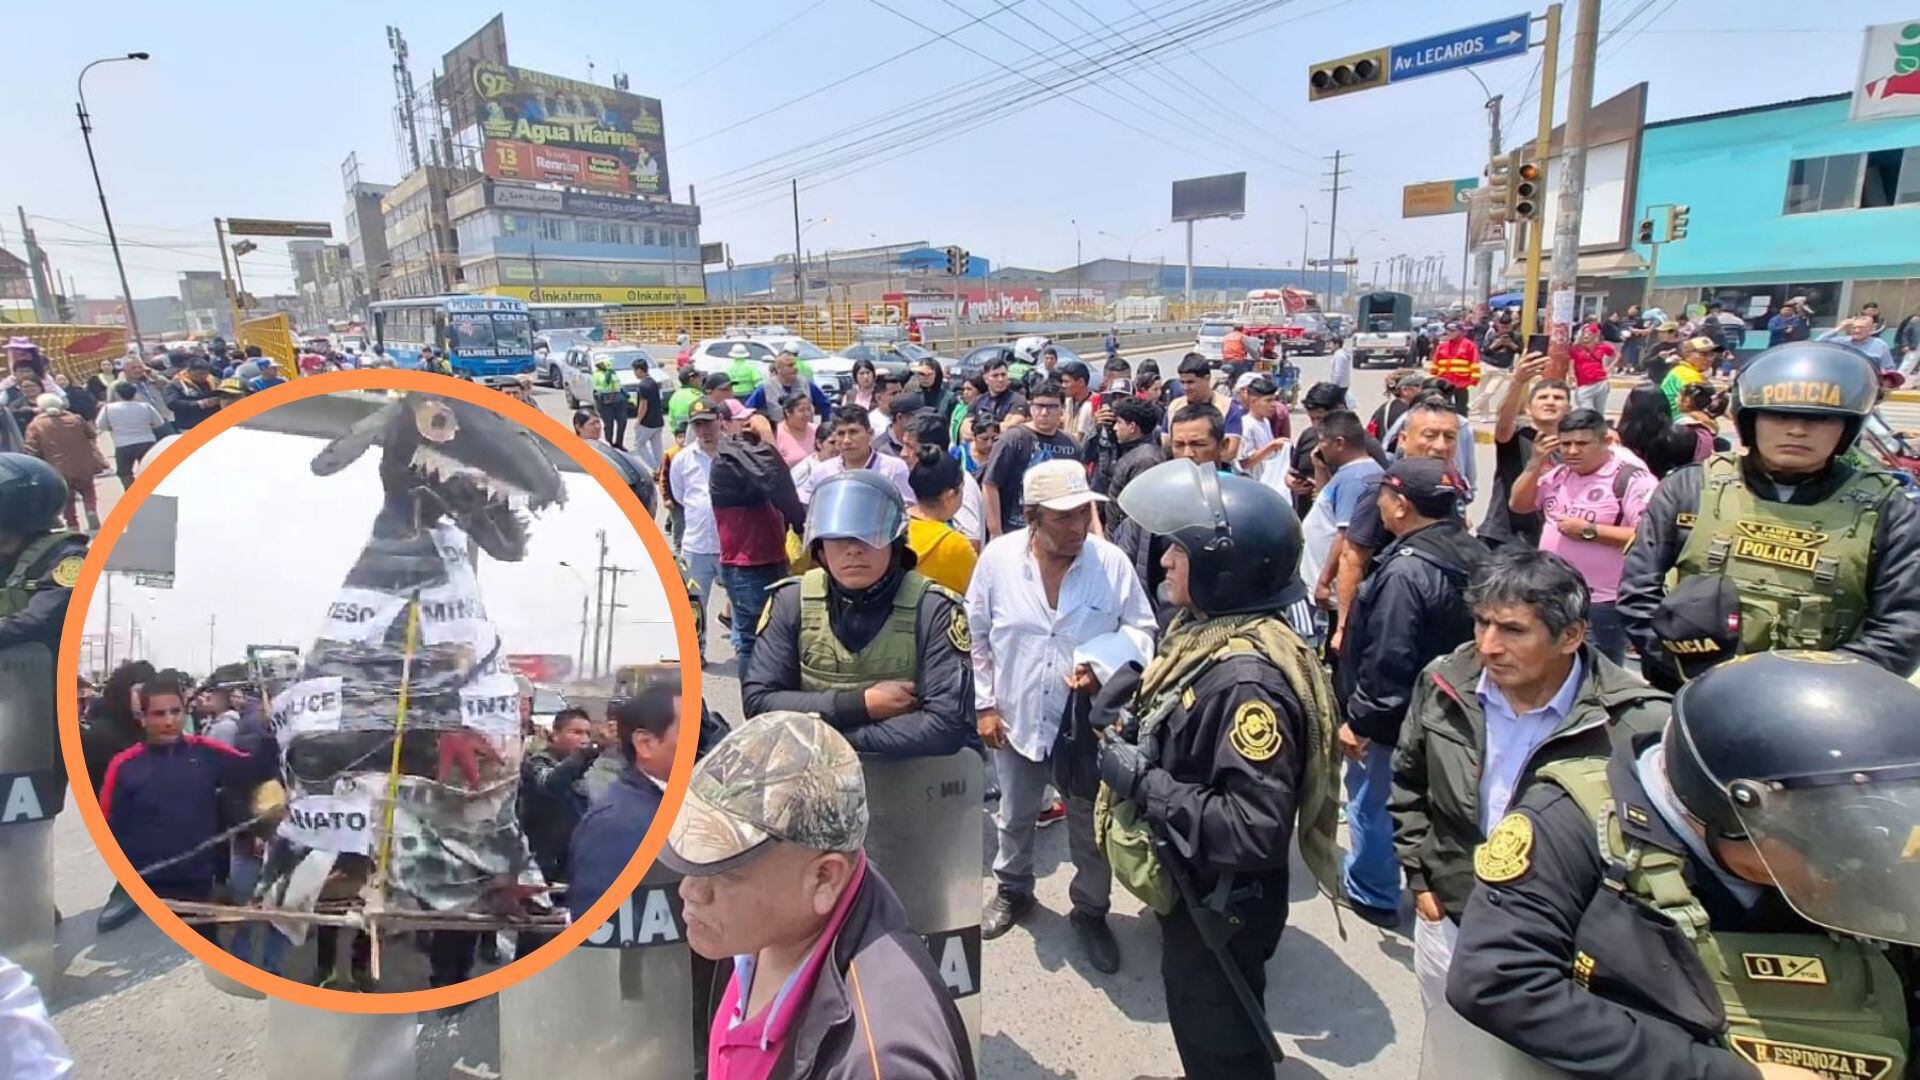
(1039, 408)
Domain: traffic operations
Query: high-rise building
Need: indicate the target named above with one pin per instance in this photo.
(550, 245)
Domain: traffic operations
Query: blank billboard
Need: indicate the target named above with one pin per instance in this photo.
(1210, 196)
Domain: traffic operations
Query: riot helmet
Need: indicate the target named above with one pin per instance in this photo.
(1814, 757)
(858, 505)
(32, 495)
(637, 479)
(1812, 378)
(1241, 537)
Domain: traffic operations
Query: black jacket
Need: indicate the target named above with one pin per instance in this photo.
(606, 838)
(553, 799)
(1411, 609)
(1890, 635)
(944, 681)
(1110, 478)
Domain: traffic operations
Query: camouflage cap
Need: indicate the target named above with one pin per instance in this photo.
(781, 776)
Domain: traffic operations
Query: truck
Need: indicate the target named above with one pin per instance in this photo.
(1383, 328)
(1289, 318)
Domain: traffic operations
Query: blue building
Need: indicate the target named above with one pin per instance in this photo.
(1788, 199)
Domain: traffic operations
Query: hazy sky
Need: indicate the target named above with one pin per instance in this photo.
(264, 545)
(249, 109)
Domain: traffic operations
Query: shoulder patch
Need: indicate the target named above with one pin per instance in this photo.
(958, 632)
(1256, 731)
(1508, 852)
(66, 572)
(1685, 520)
(766, 616)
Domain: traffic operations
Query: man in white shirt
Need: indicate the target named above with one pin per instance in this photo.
(691, 480)
(855, 436)
(1340, 367)
(1038, 593)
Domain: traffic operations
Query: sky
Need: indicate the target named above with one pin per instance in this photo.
(264, 545)
(249, 110)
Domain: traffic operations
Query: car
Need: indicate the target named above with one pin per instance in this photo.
(547, 704)
(1212, 338)
(890, 357)
(1312, 339)
(572, 370)
(1022, 351)
(829, 372)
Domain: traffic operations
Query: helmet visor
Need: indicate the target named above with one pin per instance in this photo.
(1844, 850)
(1172, 496)
(855, 509)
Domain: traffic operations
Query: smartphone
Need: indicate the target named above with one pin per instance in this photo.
(1536, 343)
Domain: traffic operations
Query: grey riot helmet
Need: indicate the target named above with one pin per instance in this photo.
(858, 505)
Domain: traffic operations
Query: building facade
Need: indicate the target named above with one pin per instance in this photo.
(544, 244)
(422, 254)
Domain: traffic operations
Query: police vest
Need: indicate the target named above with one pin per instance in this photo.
(24, 579)
(1801, 570)
(606, 383)
(1823, 1002)
(826, 664)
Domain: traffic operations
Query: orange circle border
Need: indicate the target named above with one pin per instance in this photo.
(411, 1001)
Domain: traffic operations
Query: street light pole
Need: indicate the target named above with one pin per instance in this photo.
(1076, 258)
(86, 135)
(1304, 227)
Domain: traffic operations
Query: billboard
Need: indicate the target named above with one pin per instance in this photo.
(594, 136)
(652, 295)
(1889, 80)
(265, 227)
(488, 45)
(1210, 196)
(476, 197)
(713, 254)
(1436, 197)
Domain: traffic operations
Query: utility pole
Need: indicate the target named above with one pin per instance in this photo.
(799, 280)
(1483, 262)
(613, 606)
(599, 600)
(1563, 277)
(583, 634)
(113, 241)
(1333, 222)
(1543, 141)
(43, 307)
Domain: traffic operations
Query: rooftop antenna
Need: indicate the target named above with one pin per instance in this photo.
(403, 92)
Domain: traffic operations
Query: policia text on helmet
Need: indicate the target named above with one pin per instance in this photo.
(1792, 544)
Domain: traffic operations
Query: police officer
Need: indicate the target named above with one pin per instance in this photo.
(862, 639)
(39, 565)
(1758, 856)
(1235, 741)
(1823, 554)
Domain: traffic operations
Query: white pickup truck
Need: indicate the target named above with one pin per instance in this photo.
(1383, 329)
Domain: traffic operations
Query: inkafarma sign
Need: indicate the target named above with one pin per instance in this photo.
(585, 121)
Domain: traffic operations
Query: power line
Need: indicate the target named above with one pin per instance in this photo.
(782, 25)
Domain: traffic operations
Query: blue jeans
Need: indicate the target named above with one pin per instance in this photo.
(250, 938)
(703, 569)
(1607, 631)
(747, 591)
(1372, 872)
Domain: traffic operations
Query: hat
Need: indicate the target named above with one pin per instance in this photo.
(791, 348)
(1703, 344)
(1431, 486)
(781, 777)
(718, 380)
(18, 342)
(1058, 485)
(1245, 380)
(739, 352)
(1668, 327)
(703, 409)
(1698, 623)
(735, 409)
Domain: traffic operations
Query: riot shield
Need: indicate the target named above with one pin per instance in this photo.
(32, 787)
(1456, 1050)
(319, 1044)
(626, 995)
(925, 834)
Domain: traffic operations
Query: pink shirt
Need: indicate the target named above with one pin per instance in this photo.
(792, 450)
(747, 1048)
(1565, 493)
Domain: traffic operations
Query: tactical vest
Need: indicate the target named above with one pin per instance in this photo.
(1801, 570)
(1186, 655)
(826, 664)
(24, 579)
(1824, 1002)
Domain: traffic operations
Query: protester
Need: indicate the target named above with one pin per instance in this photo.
(69, 444)
(899, 409)
(829, 982)
(940, 551)
(1196, 388)
(1340, 445)
(690, 486)
(795, 433)
(649, 416)
(1402, 387)
(784, 380)
(1499, 351)
(861, 390)
(754, 504)
(1409, 611)
(1648, 429)
(1860, 334)
(1020, 449)
(853, 434)
(1527, 691)
(1077, 402)
(930, 382)
(1513, 447)
(1433, 430)
(1040, 591)
(1696, 359)
(921, 439)
(1132, 451)
(1262, 455)
(647, 731)
(1787, 324)
(974, 452)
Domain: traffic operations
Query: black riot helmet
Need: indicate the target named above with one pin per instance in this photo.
(31, 495)
(1815, 758)
(630, 473)
(1813, 378)
(1240, 536)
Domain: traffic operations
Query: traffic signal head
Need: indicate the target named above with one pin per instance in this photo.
(1361, 71)
(1646, 231)
(1500, 187)
(1677, 223)
(966, 263)
(1527, 184)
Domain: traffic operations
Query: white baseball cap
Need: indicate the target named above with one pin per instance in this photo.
(1058, 485)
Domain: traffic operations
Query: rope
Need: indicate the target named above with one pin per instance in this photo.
(399, 730)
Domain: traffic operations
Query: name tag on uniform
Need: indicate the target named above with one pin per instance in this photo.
(1817, 1059)
(1782, 967)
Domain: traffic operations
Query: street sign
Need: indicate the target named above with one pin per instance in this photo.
(264, 227)
(1436, 197)
(1322, 264)
(1458, 48)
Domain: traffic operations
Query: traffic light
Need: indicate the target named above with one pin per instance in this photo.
(63, 307)
(1361, 71)
(958, 260)
(1528, 180)
(1677, 223)
(1500, 187)
(1646, 231)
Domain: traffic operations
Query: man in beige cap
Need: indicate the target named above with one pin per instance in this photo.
(828, 981)
(1039, 593)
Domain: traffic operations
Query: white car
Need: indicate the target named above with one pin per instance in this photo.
(829, 372)
(1212, 339)
(572, 370)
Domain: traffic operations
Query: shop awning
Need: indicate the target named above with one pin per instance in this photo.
(1599, 264)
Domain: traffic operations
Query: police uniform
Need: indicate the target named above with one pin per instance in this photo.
(1603, 941)
(38, 581)
(1235, 743)
(1829, 562)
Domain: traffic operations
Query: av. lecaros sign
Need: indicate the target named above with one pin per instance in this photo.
(1889, 81)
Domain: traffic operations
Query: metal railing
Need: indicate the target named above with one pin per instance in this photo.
(274, 335)
(72, 350)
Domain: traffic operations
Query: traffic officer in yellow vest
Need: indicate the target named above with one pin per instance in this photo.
(870, 645)
(39, 565)
(1820, 552)
(1758, 857)
(1221, 745)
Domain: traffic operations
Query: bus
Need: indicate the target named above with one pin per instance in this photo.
(487, 339)
(558, 325)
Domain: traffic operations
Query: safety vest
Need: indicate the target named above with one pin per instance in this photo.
(1801, 570)
(606, 381)
(23, 580)
(1824, 1002)
(826, 664)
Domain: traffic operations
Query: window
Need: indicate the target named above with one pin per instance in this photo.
(472, 332)
(513, 333)
(649, 240)
(551, 228)
(1868, 181)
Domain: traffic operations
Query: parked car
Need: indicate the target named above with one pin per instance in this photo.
(1312, 337)
(1212, 339)
(573, 371)
(830, 372)
(1021, 351)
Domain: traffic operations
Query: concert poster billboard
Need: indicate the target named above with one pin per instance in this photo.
(521, 108)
